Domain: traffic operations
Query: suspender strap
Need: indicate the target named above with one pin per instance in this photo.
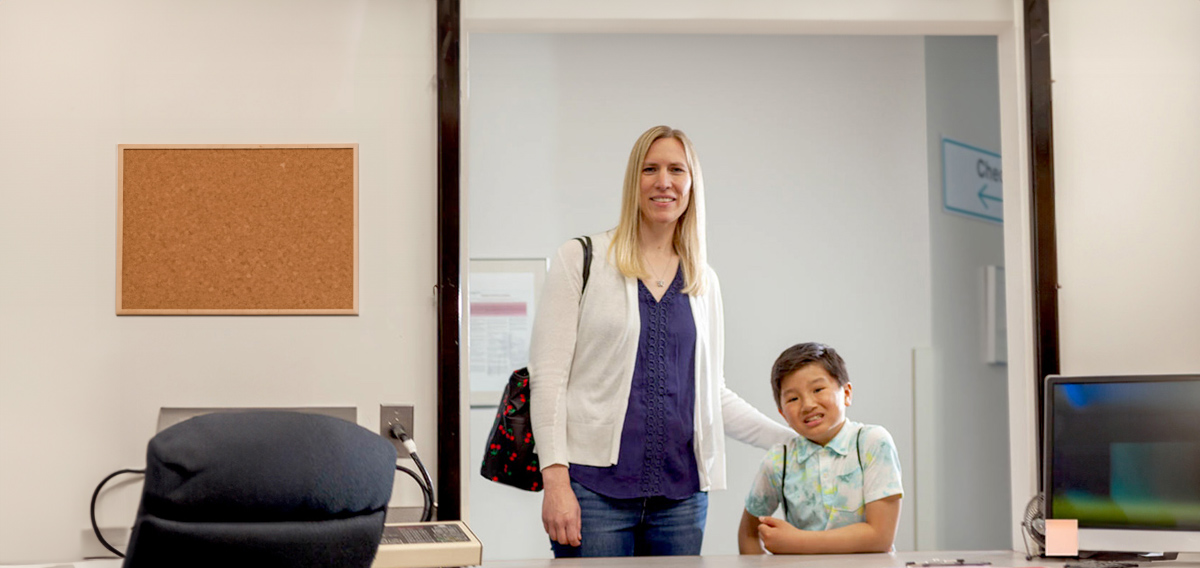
(858, 451)
(783, 483)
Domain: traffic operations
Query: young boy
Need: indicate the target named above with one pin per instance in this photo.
(838, 481)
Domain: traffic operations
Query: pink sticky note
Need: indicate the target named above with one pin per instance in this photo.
(1062, 537)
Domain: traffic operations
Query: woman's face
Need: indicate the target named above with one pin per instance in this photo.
(666, 183)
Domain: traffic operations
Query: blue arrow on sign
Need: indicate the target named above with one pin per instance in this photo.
(983, 198)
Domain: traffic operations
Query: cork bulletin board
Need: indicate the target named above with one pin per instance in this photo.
(237, 229)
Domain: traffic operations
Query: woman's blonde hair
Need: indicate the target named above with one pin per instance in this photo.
(688, 241)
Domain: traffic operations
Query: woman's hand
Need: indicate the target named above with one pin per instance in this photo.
(560, 508)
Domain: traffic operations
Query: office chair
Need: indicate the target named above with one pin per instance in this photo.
(265, 489)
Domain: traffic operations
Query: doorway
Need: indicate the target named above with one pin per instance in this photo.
(823, 224)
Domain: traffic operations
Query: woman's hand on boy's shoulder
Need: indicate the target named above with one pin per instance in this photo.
(779, 537)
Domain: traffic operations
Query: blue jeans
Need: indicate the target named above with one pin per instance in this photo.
(650, 526)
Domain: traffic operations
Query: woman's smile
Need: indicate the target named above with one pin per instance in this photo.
(666, 182)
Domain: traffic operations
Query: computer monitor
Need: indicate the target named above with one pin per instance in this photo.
(1122, 456)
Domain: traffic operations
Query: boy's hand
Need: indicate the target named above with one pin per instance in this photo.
(779, 536)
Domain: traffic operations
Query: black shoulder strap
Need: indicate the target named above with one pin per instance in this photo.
(783, 483)
(858, 449)
(586, 241)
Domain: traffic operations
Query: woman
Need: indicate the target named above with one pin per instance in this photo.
(627, 381)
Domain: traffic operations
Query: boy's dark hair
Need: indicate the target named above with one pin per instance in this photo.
(801, 354)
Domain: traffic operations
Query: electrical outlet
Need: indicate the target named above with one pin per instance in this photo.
(396, 414)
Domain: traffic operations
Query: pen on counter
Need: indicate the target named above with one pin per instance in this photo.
(940, 562)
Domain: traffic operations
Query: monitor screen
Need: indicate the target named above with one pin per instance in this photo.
(1122, 456)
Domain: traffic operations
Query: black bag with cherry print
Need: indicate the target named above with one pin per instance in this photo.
(510, 457)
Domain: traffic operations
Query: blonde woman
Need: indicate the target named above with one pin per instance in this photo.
(629, 404)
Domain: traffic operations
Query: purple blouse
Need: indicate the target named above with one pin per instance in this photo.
(656, 456)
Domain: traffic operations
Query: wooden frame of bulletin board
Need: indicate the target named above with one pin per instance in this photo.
(237, 229)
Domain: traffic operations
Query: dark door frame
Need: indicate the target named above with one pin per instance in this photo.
(449, 277)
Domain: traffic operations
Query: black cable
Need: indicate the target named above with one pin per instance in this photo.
(398, 432)
(427, 510)
(428, 516)
(95, 494)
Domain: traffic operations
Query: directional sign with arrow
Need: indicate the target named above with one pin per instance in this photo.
(972, 183)
(984, 197)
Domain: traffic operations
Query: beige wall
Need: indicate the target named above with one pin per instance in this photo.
(79, 387)
(1126, 138)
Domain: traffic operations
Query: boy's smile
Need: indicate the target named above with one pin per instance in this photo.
(813, 403)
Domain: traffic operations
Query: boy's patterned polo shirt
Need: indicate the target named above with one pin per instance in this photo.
(826, 488)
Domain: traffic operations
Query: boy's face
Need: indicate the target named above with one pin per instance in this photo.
(813, 403)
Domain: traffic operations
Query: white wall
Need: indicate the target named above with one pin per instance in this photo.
(1126, 138)
(814, 156)
(79, 387)
(966, 402)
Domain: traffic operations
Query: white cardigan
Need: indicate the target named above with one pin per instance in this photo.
(581, 361)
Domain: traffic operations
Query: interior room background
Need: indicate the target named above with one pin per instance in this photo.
(79, 387)
(822, 163)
